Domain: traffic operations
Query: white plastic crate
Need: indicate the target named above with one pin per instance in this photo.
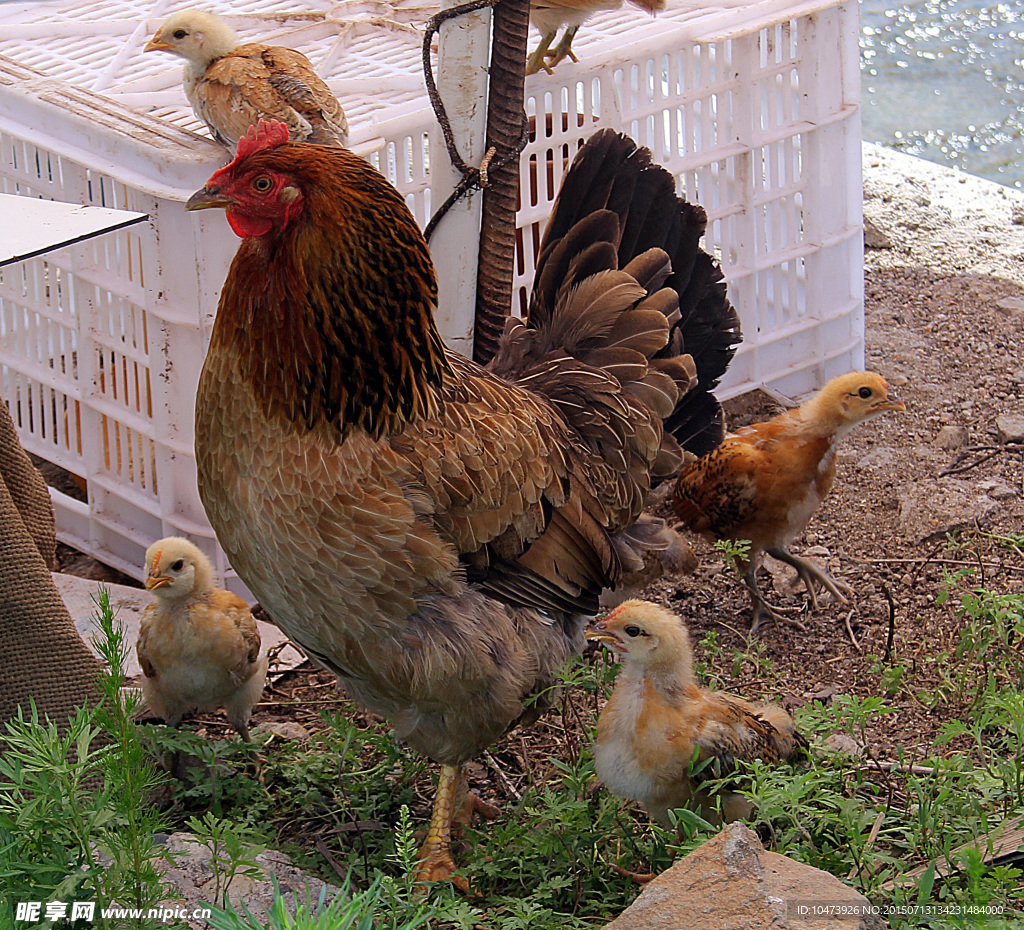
(754, 107)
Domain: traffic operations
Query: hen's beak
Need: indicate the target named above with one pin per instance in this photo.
(157, 581)
(156, 44)
(208, 198)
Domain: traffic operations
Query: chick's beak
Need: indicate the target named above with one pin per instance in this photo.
(156, 44)
(598, 634)
(892, 402)
(157, 581)
(208, 198)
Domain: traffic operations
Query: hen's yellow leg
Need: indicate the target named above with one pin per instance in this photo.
(435, 855)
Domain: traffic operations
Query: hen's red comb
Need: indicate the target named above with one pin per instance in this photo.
(269, 134)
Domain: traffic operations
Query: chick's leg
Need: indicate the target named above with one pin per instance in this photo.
(812, 575)
(538, 59)
(762, 608)
(563, 49)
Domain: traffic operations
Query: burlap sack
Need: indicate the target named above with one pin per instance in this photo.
(41, 654)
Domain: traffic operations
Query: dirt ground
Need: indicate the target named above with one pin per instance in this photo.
(945, 326)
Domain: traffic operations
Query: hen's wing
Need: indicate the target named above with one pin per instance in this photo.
(258, 81)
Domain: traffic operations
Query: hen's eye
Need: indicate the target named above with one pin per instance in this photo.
(865, 392)
(180, 33)
(262, 184)
(632, 631)
(177, 566)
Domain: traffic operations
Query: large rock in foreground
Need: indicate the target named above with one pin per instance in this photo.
(732, 883)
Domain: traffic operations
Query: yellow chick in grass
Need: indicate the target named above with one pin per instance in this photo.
(659, 720)
(198, 646)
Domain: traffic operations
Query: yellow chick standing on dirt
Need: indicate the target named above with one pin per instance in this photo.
(198, 646)
(765, 481)
(659, 725)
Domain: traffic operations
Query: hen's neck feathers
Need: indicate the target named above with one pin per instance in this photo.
(331, 320)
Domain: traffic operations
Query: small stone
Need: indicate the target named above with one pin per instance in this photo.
(843, 742)
(1010, 427)
(282, 729)
(998, 490)
(952, 437)
(824, 695)
(1011, 306)
(874, 238)
(878, 458)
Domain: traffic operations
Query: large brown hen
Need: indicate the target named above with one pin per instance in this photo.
(434, 532)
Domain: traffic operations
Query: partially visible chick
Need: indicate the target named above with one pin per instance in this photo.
(231, 86)
(551, 15)
(765, 481)
(198, 645)
(659, 725)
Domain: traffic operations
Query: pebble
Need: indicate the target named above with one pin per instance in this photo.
(1010, 427)
(951, 437)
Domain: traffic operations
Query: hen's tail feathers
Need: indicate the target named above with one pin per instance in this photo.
(612, 175)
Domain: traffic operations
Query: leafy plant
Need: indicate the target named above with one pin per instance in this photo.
(349, 910)
(75, 817)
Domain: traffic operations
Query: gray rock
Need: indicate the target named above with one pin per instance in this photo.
(952, 437)
(1010, 427)
(188, 869)
(1011, 306)
(874, 238)
(931, 508)
(999, 490)
(731, 881)
(878, 458)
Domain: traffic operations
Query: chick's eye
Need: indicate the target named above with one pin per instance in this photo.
(262, 184)
(180, 33)
(865, 392)
(177, 566)
(632, 631)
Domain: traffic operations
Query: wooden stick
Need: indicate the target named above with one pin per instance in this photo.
(871, 840)
(849, 630)
(492, 762)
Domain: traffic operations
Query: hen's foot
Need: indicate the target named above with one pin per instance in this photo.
(437, 865)
(472, 804)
